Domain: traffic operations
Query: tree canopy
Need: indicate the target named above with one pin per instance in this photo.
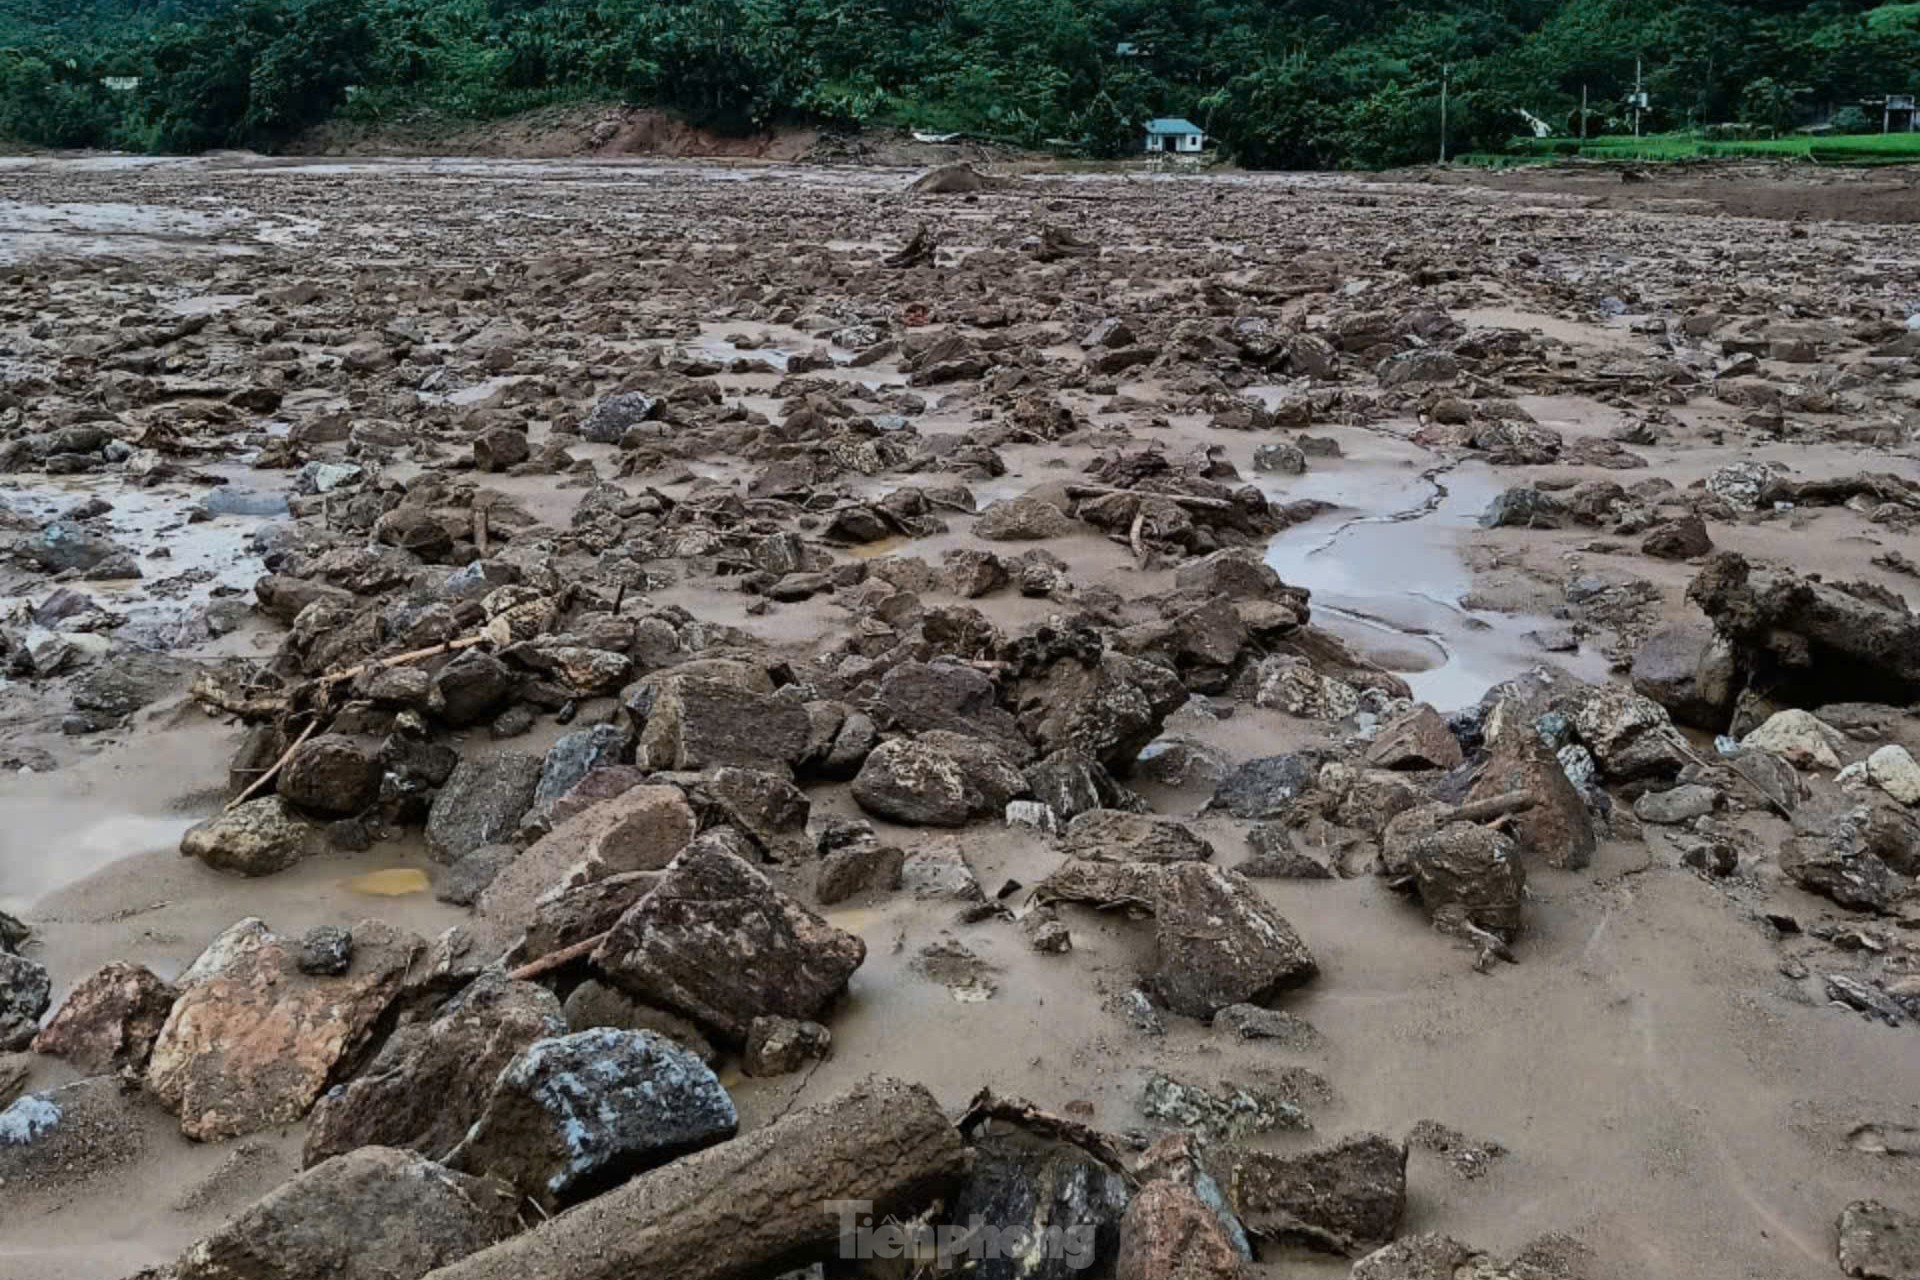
(1282, 83)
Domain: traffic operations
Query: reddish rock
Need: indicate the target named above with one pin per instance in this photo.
(110, 1021)
(1168, 1234)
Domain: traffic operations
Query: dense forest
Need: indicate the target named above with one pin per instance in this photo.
(1278, 83)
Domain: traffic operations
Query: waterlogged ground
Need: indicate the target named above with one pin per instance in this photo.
(1668, 1096)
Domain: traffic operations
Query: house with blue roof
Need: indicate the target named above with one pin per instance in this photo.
(1175, 134)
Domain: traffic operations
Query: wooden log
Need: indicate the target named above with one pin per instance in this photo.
(1183, 499)
(253, 788)
(765, 1202)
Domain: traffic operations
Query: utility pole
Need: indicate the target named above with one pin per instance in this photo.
(1639, 97)
(1446, 74)
(1583, 113)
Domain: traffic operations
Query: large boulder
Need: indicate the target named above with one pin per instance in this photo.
(1049, 1190)
(717, 941)
(572, 758)
(257, 838)
(109, 1021)
(696, 723)
(1022, 519)
(1631, 736)
(373, 1214)
(1346, 1198)
(1416, 739)
(939, 780)
(252, 1041)
(1800, 738)
(1265, 788)
(432, 1077)
(1465, 867)
(1220, 944)
(575, 1115)
(482, 803)
(472, 689)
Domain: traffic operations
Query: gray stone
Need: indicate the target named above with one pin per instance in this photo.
(578, 1114)
(482, 803)
(257, 838)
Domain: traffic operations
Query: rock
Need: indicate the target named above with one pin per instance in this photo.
(1226, 1115)
(1251, 1022)
(1290, 684)
(472, 689)
(1798, 737)
(1837, 867)
(63, 546)
(1416, 739)
(698, 723)
(1346, 1198)
(330, 775)
(432, 1077)
(482, 803)
(1022, 519)
(1809, 641)
(1689, 671)
(594, 1004)
(498, 448)
(1630, 736)
(1472, 869)
(1280, 457)
(257, 838)
(779, 1046)
(1681, 539)
(1113, 835)
(1523, 508)
(860, 869)
(1049, 1191)
(1878, 1242)
(415, 530)
(1676, 804)
(1108, 711)
(470, 876)
(579, 1114)
(1893, 770)
(572, 758)
(1219, 944)
(1265, 787)
(252, 1042)
(614, 415)
(939, 873)
(1558, 829)
(109, 1021)
(640, 829)
(25, 993)
(917, 697)
(373, 1214)
(749, 1207)
(1276, 858)
(1069, 784)
(941, 780)
(768, 810)
(687, 946)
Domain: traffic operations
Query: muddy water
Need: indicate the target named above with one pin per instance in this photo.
(1387, 575)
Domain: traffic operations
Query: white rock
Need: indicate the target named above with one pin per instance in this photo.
(1800, 738)
(1895, 772)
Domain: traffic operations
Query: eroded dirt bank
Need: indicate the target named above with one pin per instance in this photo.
(1077, 637)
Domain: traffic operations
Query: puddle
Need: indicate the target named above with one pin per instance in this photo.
(164, 609)
(1386, 573)
(389, 882)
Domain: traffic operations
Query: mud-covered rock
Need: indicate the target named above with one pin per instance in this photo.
(779, 1046)
(1169, 1234)
(1116, 835)
(1557, 829)
(717, 941)
(1690, 671)
(1346, 1198)
(432, 1077)
(577, 1114)
(696, 723)
(1051, 1190)
(110, 1020)
(1416, 739)
(1878, 1242)
(1473, 869)
(1220, 944)
(472, 689)
(1022, 519)
(373, 1214)
(331, 775)
(1266, 787)
(1108, 710)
